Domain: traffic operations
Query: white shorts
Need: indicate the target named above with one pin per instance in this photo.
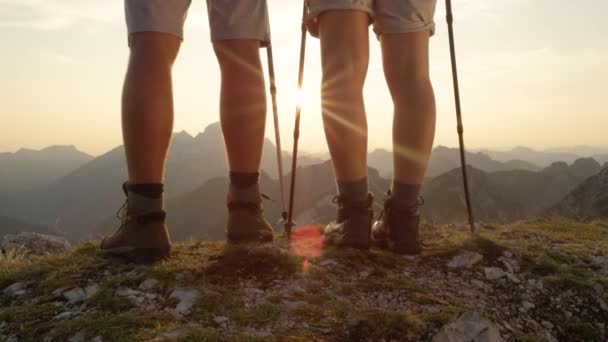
(228, 19)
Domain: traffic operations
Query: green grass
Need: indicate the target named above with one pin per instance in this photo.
(378, 325)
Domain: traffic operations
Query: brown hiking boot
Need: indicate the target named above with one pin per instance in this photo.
(353, 226)
(141, 238)
(397, 228)
(246, 223)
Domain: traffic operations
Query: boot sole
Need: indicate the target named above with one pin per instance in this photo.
(138, 255)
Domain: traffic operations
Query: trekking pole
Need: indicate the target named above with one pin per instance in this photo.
(450, 20)
(277, 132)
(296, 132)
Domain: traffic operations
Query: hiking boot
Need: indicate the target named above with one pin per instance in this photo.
(353, 226)
(246, 223)
(141, 238)
(397, 227)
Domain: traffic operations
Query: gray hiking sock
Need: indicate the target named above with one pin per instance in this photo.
(250, 194)
(143, 204)
(405, 194)
(353, 190)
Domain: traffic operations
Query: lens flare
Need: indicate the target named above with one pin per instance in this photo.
(302, 97)
(307, 242)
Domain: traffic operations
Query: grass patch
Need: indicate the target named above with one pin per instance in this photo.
(545, 266)
(263, 262)
(378, 325)
(569, 280)
(114, 326)
(581, 331)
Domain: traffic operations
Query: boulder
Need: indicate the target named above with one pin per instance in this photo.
(469, 327)
(34, 243)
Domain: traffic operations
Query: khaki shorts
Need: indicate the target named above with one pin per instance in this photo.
(228, 19)
(387, 16)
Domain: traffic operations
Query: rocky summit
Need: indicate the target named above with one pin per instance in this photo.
(540, 280)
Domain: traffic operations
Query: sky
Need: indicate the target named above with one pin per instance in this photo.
(532, 73)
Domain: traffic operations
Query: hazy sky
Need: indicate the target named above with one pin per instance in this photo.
(532, 73)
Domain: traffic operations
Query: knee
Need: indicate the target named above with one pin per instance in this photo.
(238, 56)
(409, 81)
(154, 48)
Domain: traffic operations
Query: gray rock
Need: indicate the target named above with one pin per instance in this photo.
(512, 277)
(176, 334)
(187, 298)
(3, 326)
(465, 259)
(78, 337)
(80, 294)
(219, 320)
(470, 326)
(34, 243)
(527, 305)
(493, 273)
(291, 306)
(328, 263)
(64, 315)
(602, 304)
(15, 288)
(548, 325)
(75, 295)
(365, 273)
(148, 284)
(598, 288)
(97, 338)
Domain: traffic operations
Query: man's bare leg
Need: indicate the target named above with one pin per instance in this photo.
(242, 102)
(147, 105)
(243, 119)
(406, 67)
(147, 119)
(345, 57)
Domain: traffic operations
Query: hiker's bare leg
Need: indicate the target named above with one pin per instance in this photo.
(147, 105)
(406, 68)
(345, 57)
(242, 102)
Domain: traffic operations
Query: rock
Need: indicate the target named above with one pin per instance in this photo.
(328, 263)
(34, 243)
(148, 284)
(465, 259)
(187, 298)
(364, 273)
(470, 326)
(78, 337)
(80, 294)
(512, 277)
(493, 273)
(97, 338)
(220, 320)
(602, 304)
(64, 315)
(527, 305)
(548, 325)
(478, 283)
(15, 289)
(176, 334)
(3, 326)
(291, 306)
(599, 289)
(548, 337)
